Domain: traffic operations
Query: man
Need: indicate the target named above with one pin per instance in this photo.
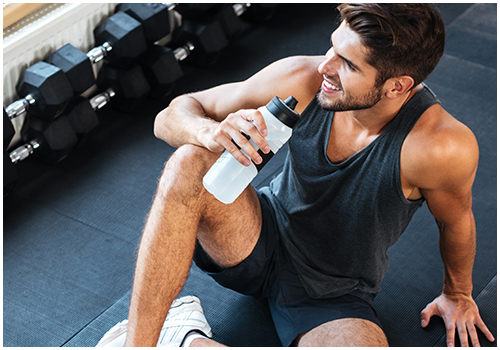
(369, 149)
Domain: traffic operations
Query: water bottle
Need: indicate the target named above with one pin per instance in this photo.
(228, 178)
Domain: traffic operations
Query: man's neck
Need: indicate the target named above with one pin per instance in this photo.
(375, 119)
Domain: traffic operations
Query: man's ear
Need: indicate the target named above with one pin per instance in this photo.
(399, 86)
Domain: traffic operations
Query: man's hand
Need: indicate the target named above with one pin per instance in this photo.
(228, 135)
(459, 312)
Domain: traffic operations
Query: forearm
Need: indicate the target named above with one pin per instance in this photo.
(183, 122)
(457, 244)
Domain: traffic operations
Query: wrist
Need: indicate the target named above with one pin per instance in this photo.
(451, 291)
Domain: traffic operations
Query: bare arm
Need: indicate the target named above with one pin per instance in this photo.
(445, 174)
(214, 117)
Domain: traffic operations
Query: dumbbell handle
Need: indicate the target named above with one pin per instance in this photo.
(99, 52)
(23, 151)
(99, 101)
(239, 9)
(182, 52)
(20, 106)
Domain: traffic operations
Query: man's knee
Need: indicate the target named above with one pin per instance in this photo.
(344, 332)
(184, 171)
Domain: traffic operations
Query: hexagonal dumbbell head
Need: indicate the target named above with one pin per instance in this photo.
(56, 138)
(124, 34)
(154, 17)
(82, 116)
(76, 65)
(161, 69)
(129, 84)
(208, 39)
(48, 86)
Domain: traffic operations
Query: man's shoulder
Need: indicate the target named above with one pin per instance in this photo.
(439, 148)
(297, 76)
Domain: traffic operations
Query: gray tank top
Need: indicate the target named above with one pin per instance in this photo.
(338, 220)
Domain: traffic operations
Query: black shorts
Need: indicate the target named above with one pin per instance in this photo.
(268, 273)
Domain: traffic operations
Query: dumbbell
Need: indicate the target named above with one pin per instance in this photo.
(129, 84)
(226, 14)
(46, 91)
(120, 38)
(161, 67)
(155, 18)
(82, 115)
(52, 140)
(205, 34)
(210, 27)
(55, 139)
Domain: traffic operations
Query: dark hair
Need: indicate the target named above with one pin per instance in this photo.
(402, 39)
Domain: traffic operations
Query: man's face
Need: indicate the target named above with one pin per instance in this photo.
(349, 82)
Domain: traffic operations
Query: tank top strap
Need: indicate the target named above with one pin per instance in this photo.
(410, 113)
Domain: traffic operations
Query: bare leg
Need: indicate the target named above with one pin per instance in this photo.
(205, 343)
(344, 332)
(182, 211)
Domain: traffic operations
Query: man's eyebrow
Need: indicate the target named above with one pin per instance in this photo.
(349, 62)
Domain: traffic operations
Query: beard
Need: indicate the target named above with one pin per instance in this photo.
(351, 102)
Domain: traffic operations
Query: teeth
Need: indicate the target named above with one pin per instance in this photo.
(331, 86)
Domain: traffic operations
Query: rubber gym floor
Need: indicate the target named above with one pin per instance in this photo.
(71, 230)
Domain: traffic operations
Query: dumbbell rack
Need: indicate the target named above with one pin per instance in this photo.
(32, 143)
(45, 30)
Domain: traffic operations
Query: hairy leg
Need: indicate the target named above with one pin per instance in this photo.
(344, 332)
(182, 211)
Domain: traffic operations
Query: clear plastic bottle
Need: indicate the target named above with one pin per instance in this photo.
(228, 178)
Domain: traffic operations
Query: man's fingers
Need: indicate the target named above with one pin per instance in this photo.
(462, 335)
(427, 313)
(450, 334)
(473, 334)
(482, 326)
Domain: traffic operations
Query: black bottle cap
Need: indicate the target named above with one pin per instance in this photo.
(284, 110)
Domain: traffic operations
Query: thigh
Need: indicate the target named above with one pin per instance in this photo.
(227, 232)
(344, 332)
(256, 273)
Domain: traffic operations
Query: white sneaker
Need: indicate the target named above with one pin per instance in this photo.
(185, 315)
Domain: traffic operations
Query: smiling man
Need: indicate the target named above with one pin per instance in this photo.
(372, 144)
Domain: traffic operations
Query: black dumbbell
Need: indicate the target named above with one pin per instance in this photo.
(120, 39)
(129, 84)
(82, 115)
(195, 11)
(226, 14)
(162, 69)
(53, 140)
(46, 91)
(155, 18)
(207, 37)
